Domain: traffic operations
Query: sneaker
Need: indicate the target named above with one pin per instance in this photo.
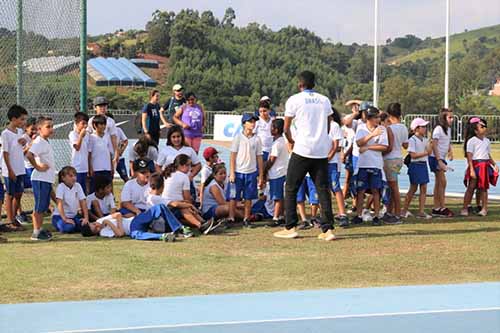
(483, 212)
(273, 224)
(43, 236)
(5, 227)
(187, 232)
(205, 227)
(327, 236)
(17, 225)
(219, 225)
(382, 212)
(287, 233)
(367, 217)
(343, 221)
(356, 220)
(247, 224)
(376, 222)
(423, 216)
(315, 222)
(465, 212)
(305, 225)
(477, 209)
(406, 214)
(391, 219)
(437, 212)
(168, 237)
(447, 213)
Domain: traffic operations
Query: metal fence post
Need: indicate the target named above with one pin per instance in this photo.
(83, 55)
(19, 53)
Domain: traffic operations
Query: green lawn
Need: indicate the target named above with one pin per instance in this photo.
(72, 268)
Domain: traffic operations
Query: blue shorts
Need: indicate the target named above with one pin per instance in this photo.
(276, 188)
(369, 178)
(13, 187)
(259, 207)
(27, 178)
(434, 165)
(308, 188)
(81, 178)
(265, 156)
(41, 192)
(418, 172)
(125, 211)
(210, 213)
(67, 228)
(122, 169)
(386, 193)
(246, 186)
(2, 192)
(334, 177)
(348, 164)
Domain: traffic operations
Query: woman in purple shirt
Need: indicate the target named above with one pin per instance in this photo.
(191, 117)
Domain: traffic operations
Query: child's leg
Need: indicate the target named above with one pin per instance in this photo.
(301, 207)
(376, 201)
(443, 190)
(278, 209)
(16, 202)
(479, 197)
(359, 202)
(484, 195)
(339, 197)
(9, 203)
(409, 196)
(422, 198)
(437, 189)
(248, 209)
(345, 190)
(314, 210)
(232, 209)
(394, 206)
(190, 219)
(469, 193)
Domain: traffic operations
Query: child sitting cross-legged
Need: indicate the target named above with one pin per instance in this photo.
(101, 202)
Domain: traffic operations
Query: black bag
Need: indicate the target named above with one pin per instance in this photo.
(407, 160)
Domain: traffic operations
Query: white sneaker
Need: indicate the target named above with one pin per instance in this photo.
(424, 216)
(464, 212)
(287, 233)
(406, 214)
(367, 217)
(482, 213)
(382, 211)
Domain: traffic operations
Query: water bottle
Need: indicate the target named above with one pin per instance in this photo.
(232, 190)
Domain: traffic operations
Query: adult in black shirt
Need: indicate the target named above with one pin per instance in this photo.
(173, 104)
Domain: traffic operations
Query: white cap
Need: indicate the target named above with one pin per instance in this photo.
(265, 98)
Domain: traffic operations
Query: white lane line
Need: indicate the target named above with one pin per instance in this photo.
(249, 322)
(123, 122)
(62, 124)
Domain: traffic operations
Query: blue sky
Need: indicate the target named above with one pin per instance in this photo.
(340, 20)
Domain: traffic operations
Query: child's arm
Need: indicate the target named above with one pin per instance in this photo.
(232, 167)
(91, 169)
(117, 231)
(123, 146)
(38, 166)
(85, 210)
(435, 149)
(60, 208)
(333, 150)
(130, 206)
(390, 140)
(195, 169)
(186, 194)
(6, 158)
(380, 148)
(472, 172)
(364, 140)
(221, 200)
(450, 153)
(269, 164)
(97, 208)
(260, 163)
(78, 144)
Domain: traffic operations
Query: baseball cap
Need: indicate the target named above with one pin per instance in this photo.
(418, 122)
(177, 87)
(100, 100)
(209, 152)
(265, 98)
(141, 165)
(365, 105)
(372, 111)
(247, 117)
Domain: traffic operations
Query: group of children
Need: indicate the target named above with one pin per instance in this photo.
(161, 201)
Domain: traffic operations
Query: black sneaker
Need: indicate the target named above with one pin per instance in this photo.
(436, 213)
(43, 236)
(273, 224)
(376, 221)
(206, 226)
(247, 224)
(343, 221)
(477, 209)
(315, 222)
(168, 237)
(356, 220)
(305, 225)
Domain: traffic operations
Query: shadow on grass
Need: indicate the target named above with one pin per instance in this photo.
(420, 233)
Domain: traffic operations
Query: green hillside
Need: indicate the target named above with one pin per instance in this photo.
(488, 37)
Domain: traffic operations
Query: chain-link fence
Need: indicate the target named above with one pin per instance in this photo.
(43, 37)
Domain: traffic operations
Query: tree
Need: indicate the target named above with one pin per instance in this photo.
(158, 28)
(229, 17)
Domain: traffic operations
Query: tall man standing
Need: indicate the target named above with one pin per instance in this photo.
(168, 110)
(311, 145)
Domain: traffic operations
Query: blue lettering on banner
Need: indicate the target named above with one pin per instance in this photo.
(230, 131)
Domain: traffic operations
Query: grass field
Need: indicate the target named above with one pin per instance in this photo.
(418, 252)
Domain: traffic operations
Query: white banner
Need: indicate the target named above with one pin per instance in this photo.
(226, 126)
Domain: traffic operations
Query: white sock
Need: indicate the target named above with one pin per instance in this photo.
(36, 232)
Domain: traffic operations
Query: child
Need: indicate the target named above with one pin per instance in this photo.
(479, 173)
(307, 191)
(348, 139)
(70, 200)
(276, 168)
(13, 170)
(41, 156)
(30, 133)
(100, 151)
(3, 227)
(419, 149)
(246, 159)
(372, 142)
(79, 140)
(334, 167)
(101, 109)
(182, 209)
(214, 204)
(441, 147)
(134, 193)
(101, 202)
(191, 117)
(144, 149)
(110, 226)
(263, 128)
(211, 156)
(122, 143)
(177, 185)
(393, 162)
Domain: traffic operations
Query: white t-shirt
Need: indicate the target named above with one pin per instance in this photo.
(400, 134)
(311, 111)
(359, 125)
(247, 149)
(106, 204)
(444, 141)
(101, 150)
(175, 185)
(348, 137)
(43, 152)
(480, 149)
(263, 131)
(71, 199)
(371, 158)
(205, 172)
(135, 193)
(79, 158)
(27, 164)
(110, 126)
(417, 145)
(108, 232)
(154, 199)
(11, 145)
(120, 137)
(280, 151)
(335, 135)
(168, 154)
